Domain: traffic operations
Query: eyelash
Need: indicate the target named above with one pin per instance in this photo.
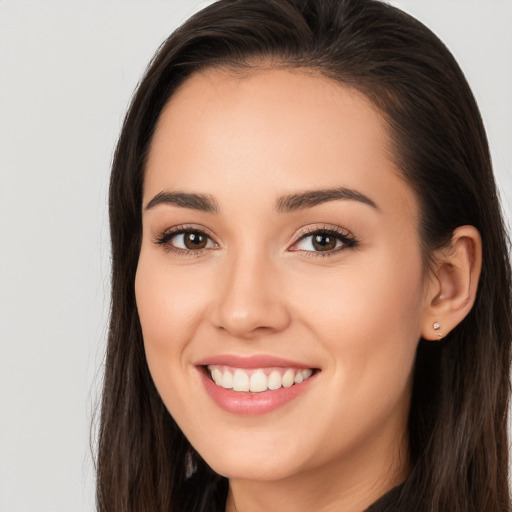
(166, 236)
(345, 237)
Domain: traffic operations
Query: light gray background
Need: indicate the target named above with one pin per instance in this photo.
(67, 71)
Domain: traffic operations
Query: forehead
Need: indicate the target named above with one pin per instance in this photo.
(275, 131)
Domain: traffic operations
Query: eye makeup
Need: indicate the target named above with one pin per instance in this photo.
(323, 241)
(314, 241)
(186, 240)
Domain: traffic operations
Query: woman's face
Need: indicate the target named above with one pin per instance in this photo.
(280, 244)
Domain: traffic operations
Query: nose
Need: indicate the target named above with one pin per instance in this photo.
(251, 300)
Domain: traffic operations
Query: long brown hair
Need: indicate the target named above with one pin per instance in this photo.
(458, 419)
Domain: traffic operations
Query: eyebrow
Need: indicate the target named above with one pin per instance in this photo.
(308, 199)
(202, 202)
(285, 204)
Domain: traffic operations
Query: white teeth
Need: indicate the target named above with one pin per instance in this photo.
(217, 376)
(240, 381)
(288, 378)
(227, 380)
(274, 380)
(257, 380)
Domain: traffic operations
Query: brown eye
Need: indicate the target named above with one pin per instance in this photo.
(327, 241)
(184, 240)
(194, 240)
(324, 242)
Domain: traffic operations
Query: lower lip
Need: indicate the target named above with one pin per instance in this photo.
(252, 404)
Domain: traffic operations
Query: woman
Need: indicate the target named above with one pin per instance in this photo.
(311, 287)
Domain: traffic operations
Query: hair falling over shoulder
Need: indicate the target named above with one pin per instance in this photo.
(458, 419)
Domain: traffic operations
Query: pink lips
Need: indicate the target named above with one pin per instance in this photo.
(248, 403)
(260, 361)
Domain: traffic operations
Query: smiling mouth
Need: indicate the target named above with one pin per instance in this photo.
(257, 380)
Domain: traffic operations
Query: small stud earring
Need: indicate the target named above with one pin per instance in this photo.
(437, 327)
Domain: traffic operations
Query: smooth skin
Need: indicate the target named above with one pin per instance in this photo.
(353, 306)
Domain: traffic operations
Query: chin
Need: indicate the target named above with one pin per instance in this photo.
(252, 463)
(238, 469)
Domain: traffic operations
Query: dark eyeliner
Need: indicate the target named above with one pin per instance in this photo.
(348, 240)
(163, 239)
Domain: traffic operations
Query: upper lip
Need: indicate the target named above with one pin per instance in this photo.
(253, 361)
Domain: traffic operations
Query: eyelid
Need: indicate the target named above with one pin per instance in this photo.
(347, 238)
(163, 238)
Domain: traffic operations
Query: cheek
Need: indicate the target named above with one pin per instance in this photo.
(165, 321)
(172, 301)
(368, 318)
(369, 324)
(169, 303)
(155, 309)
(378, 299)
(167, 312)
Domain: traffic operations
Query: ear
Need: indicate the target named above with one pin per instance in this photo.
(451, 291)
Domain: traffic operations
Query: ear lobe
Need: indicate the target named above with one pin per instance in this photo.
(452, 290)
